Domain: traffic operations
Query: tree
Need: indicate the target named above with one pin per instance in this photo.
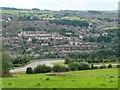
(29, 70)
(58, 68)
(102, 66)
(6, 64)
(92, 66)
(118, 66)
(73, 66)
(21, 60)
(84, 66)
(74, 56)
(67, 59)
(105, 39)
(42, 69)
(110, 66)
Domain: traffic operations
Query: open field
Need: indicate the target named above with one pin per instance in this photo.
(110, 28)
(100, 78)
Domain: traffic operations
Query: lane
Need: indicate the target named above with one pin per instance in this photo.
(34, 64)
(47, 62)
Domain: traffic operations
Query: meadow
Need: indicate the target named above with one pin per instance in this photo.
(99, 78)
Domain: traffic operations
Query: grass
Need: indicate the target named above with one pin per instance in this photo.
(70, 18)
(0, 83)
(100, 78)
(95, 21)
(60, 63)
(110, 28)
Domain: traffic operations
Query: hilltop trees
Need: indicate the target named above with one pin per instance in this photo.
(105, 39)
(82, 23)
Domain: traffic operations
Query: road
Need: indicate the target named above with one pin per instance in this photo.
(47, 62)
(34, 64)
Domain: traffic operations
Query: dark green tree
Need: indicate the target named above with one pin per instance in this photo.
(29, 70)
(92, 66)
(110, 66)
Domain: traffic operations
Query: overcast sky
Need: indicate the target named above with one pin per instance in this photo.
(62, 4)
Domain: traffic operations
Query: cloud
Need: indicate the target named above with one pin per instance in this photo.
(62, 4)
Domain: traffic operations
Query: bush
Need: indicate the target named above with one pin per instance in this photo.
(73, 66)
(110, 66)
(111, 77)
(42, 69)
(29, 70)
(67, 60)
(58, 68)
(102, 66)
(95, 67)
(47, 78)
(84, 66)
(118, 66)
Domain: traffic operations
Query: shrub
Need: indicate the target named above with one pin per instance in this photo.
(29, 70)
(38, 84)
(47, 78)
(84, 66)
(118, 66)
(110, 66)
(111, 77)
(42, 69)
(58, 68)
(95, 67)
(73, 66)
(102, 66)
(118, 76)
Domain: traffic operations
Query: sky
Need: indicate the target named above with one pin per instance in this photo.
(62, 4)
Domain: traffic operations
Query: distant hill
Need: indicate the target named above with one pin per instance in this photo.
(8, 8)
(12, 8)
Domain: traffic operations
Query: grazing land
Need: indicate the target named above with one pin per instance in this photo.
(108, 78)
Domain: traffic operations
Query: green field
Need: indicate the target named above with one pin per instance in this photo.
(100, 78)
(110, 28)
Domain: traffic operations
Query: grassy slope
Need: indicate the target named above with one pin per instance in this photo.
(85, 79)
(110, 28)
(15, 11)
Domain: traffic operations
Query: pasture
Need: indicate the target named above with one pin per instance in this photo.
(99, 78)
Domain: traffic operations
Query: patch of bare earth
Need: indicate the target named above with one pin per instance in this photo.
(62, 74)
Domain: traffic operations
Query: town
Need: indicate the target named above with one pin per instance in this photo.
(55, 34)
(59, 48)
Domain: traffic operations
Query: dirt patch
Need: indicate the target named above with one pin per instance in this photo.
(61, 74)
